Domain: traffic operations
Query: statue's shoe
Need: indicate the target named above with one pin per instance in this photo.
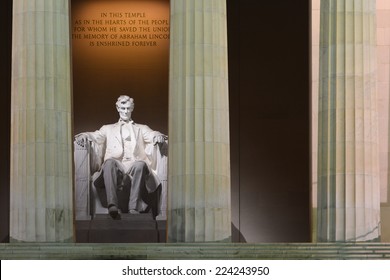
(113, 211)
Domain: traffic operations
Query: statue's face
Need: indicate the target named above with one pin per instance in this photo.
(125, 110)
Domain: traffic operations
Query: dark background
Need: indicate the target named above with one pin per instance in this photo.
(269, 51)
(5, 118)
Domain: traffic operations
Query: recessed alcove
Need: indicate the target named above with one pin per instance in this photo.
(269, 106)
(269, 99)
(119, 48)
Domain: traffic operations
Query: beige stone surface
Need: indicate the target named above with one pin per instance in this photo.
(348, 156)
(383, 45)
(199, 162)
(41, 166)
(383, 90)
(315, 53)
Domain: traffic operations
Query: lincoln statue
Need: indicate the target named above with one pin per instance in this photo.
(128, 160)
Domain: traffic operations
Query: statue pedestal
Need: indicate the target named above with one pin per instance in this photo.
(140, 228)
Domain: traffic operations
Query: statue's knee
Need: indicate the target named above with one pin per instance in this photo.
(110, 164)
(140, 166)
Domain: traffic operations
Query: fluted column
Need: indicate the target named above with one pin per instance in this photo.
(348, 173)
(199, 161)
(41, 143)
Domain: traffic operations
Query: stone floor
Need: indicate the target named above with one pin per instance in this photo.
(142, 237)
(141, 228)
(141, 251)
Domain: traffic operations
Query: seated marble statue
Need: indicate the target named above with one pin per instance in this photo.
(127, 158)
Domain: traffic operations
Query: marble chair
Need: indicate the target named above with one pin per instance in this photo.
(90, 200)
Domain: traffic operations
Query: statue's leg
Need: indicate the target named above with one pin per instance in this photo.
(152, 200)
(111, 171)
(137, 172)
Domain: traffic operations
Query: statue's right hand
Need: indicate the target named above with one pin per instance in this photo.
(81, 139)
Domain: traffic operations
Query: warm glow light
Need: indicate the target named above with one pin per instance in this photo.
(120, 47)
(120, 30)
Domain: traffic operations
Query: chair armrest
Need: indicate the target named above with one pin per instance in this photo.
(162, 173)
(82, 179)
(162, 161)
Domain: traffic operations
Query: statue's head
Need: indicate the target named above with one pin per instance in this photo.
(124, 106)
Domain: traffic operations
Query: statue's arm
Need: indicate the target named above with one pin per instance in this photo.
(98, 137)
(153, 136)
(96, 149)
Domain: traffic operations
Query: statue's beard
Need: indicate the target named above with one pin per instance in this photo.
(125, 117)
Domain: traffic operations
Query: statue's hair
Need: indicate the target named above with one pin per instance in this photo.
(123, 99)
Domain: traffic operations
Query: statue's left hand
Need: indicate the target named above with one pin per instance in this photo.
(159, 139)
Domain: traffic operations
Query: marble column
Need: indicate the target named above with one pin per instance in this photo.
(348, 170)
(41, 141)
(199, 155)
